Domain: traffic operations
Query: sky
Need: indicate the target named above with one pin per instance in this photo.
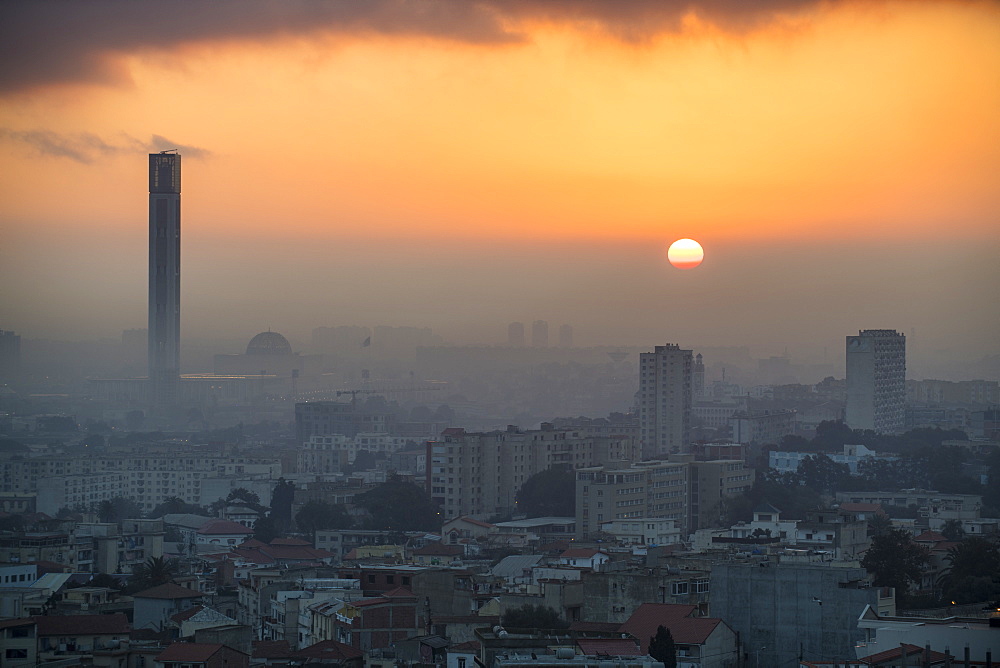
(460, 165)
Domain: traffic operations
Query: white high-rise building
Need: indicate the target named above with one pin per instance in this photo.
(876, 381)
(665, 400)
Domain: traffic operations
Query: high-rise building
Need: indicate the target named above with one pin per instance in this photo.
(515, 335)
(565, 336)
(876, 381)
(665, 400)
(10, 354)
(539, 334)
(164, 276)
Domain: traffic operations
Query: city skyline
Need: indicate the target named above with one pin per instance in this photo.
(517, 163)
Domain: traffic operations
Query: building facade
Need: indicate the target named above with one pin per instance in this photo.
(479, 474)
(665, 377)
(876, 381)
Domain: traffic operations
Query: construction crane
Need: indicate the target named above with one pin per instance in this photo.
(389, 390)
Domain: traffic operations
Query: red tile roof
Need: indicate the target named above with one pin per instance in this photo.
(224, 528)
(894, 653)
(290, 541)
(467, 646)
(438, 550)
(600, 627)
(399, 592)
(8, 623)
(189, 652)
(609, 646)
(929, 537)
(581, 553)
(330, 650)
(187, 614)
(861, 507)
(478, 523)
(678, 618)
(83, 625)
(168, 591)
(271, 649)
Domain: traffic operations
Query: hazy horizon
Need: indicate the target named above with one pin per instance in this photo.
(465, 166)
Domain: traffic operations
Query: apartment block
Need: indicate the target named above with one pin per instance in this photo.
(691, 493)
(665, 394)
(479, 474)
(18, 475)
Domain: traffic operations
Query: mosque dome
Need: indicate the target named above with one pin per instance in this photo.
(269, 343)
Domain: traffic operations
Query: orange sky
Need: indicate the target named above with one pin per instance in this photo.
(832, 124)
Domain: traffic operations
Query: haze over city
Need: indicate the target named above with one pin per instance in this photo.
(460, 165)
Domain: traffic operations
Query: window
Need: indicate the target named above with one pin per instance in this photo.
(390, 579)
(678, 588)
(16, 654)
(371, 579)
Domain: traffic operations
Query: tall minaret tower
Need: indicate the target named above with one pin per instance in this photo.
(164, 276)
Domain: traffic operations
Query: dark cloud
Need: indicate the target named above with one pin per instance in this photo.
(50, 42)
(163, 144)
(85, 148)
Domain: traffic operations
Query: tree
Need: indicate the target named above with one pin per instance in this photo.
(265, 529)
(118, 508)
(281, 504)
(531, 616)
(879, 524)
(895, 561)
(953, 530)
(548, 493)
(661, 647)
(318, 515)
(973, 573)
(821, 473)
(153, 572)
(175, 506)
(399, 505)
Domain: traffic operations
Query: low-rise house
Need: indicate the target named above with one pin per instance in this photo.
(19, 643)
(155, 606)
(201, 655)
(330, 654)
(77, 637)
(466, 530)
(378, 622)
(434, 554)
(700, 642)
(584, 558)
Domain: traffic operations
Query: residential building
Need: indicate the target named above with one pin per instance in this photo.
(762, 426)
(325, 418)
(690, 492)
(201, 655)
(784, 608)
(647, 531)
(154, 606)
(539, 334)
(515, 335)
(700, 642)
(665, 377)
(852, 457)
(479, 474)
(965, 638)
(876, 381)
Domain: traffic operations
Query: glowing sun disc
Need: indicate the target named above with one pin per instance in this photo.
(685, 254)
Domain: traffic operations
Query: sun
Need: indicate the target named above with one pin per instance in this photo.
(685, 254)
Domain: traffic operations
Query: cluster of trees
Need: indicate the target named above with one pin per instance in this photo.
(549, 493)
(922, 460)
(895, 560)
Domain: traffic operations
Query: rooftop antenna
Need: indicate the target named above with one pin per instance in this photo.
(169, 150)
